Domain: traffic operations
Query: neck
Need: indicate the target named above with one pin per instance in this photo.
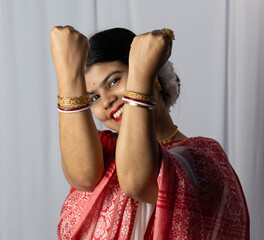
(165, 127)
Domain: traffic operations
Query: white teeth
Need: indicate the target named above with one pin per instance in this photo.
(118, 113)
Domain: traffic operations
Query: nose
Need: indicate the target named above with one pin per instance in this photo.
(108, 99)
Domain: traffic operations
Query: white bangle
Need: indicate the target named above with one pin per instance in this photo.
(139, 104)
(74, 111)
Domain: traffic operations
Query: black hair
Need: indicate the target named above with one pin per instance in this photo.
(114, 45)
(110, 45)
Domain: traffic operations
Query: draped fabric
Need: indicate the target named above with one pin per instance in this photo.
(211, 207)
(218, 54)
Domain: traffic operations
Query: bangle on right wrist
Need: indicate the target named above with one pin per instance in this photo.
(74, 104)
(82, 100)
(140, 97)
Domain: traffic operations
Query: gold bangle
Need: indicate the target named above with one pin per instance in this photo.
(75, 107)
(141, 97)
(82, 100)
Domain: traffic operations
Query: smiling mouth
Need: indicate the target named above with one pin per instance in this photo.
(118, 113)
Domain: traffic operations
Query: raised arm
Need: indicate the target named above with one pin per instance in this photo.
(137, 153)
(81, 150)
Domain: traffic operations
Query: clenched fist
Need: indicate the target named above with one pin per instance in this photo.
(149, 52)
(69, 51)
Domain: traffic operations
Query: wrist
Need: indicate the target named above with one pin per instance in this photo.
(70, 74)
(71, 86)
(141, 84)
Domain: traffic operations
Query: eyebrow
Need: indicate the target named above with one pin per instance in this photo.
(105, 80)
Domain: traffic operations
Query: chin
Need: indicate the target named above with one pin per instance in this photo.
(115, 128)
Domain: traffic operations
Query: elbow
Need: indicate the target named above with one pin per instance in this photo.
(144, 191)
(129, 189)
(140, 185)
(84, 182)
(132, 191)
(83, 179)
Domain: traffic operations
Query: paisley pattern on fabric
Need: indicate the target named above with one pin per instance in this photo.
(212, 208)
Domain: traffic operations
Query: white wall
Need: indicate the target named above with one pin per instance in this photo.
(218, 54)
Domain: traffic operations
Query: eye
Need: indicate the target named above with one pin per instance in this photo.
(95, 97)
(113, 82)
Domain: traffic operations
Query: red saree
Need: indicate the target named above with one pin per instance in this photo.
(206, 202)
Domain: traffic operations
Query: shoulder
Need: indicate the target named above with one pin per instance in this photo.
(202, 143)
(201, 153)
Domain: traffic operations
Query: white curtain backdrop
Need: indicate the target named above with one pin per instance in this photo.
(218, 54)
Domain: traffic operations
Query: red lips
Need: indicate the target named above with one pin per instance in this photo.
(114, 111)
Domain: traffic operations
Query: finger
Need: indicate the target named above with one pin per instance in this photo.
(70, 27)
(157, 32)
(58, 27)
(161, 33)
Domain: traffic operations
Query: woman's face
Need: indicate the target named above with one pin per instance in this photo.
(106, 83)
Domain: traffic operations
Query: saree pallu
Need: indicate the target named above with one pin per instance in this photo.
(198, 199)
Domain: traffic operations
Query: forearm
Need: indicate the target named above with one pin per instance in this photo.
(80, 145)
(137, 152)
(81, 150)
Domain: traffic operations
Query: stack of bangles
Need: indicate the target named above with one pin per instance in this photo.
(75, 104)
(139, 100)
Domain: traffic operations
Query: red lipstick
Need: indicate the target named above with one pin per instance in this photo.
(114, 111)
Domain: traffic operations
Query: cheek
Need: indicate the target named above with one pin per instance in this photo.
(97, 113)
(121, 90)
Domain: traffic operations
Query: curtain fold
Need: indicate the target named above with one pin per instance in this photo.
(245, 87)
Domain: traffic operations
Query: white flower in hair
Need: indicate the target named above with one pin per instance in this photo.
(170, 84)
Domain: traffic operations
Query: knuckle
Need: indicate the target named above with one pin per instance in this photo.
(67, 30)
(137, 38)
(54, 31)
(70, 28)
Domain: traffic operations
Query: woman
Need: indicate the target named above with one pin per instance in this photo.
(148, 180)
